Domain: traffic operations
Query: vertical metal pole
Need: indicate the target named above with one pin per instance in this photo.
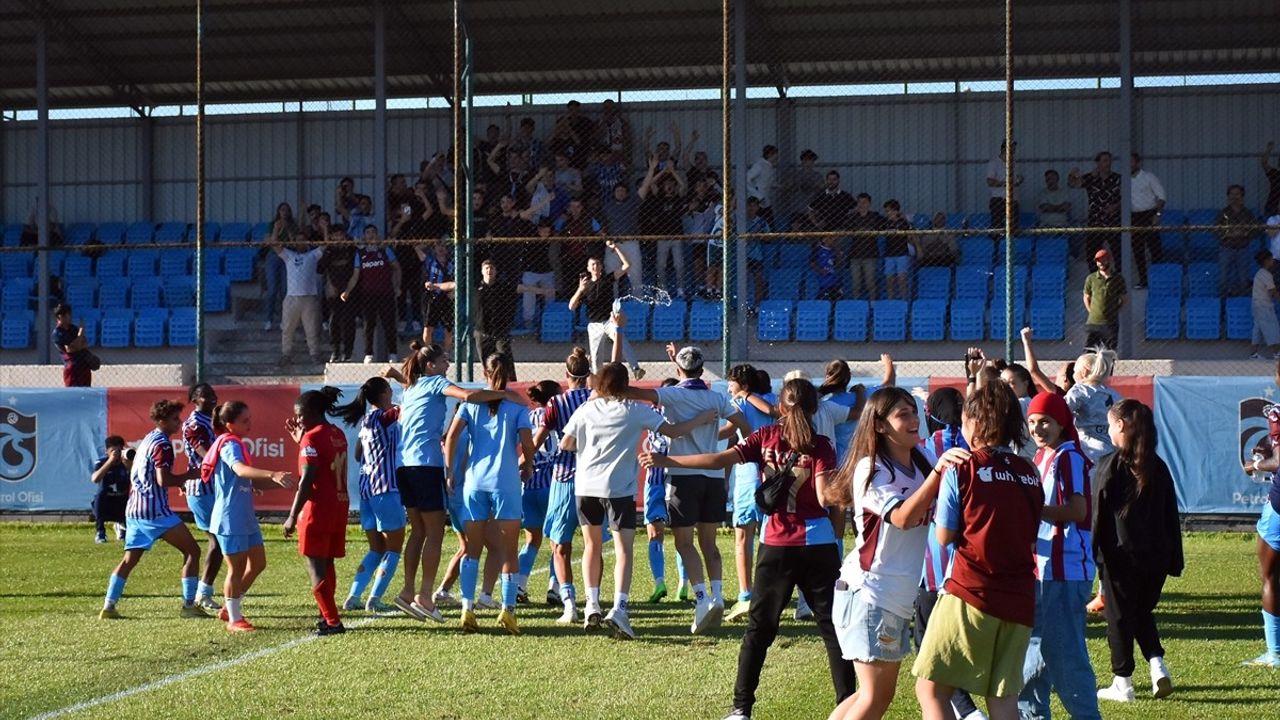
(1008, 182)
(1125, 346)
(957, 198)
(735, 252)
(466, 181)
(726, 198)
(42, 187)
(200, 238)
(462, 290)
(380, 118)
(148, 162)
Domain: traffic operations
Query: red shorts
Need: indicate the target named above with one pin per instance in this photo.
(319, 542)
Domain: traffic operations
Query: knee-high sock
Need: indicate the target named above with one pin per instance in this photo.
(1271, 631)
(528, 556)
(115, 588)
(324, 594)
(364, 572)
(553, 581)
(189, 590)
(657, 561)
(508, 592)
(386, 571)
(467, 576)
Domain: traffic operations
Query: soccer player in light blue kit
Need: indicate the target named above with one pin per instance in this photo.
(381, 512)
(499, 455)
(756, 403)
(537, 489)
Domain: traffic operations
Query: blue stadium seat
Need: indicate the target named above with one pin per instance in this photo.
(77, 266)
(116, 329)
(889, 320)
(217, 293)
(773, 321)
(56, 260)
(1019, 284)
(182, 327)
(79, 293)
(141, 263)
(955, 220)
(785, 283)
(557, 323)
(260, 231)
(1204, 318)
(979, 220)
(145, 294)
(171, 232)
(928, 320)
(813, 320)
(15, 331)
(1027, 219)
(1173, 238)
(850, 320)
(212, 232)
(637, 314)
(148, 328)
(971, 282)
(706, 321)
(89, 319)
(1022, 250)
(1049, 282)
(921, 221)
(175, 262)
(234, 232)
(998, 322)
(977, 250)
(179, 291)
(112, 233)
(1239, 318)
(79, 233)
(1202, 247)
(140, 233)
(16, 295)
(14, 265)
(110, 265)
(1202, 216)
(113, 294)
(238, 263)
(933, 283)
(667, 324)
(1052, 250)
(13, 235)
(1202, 280)
(1048, 318)
(1164, 280)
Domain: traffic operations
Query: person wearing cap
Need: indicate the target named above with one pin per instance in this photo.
(1057, 657)
(1266, 330)
(1104, 296)
(696, 500)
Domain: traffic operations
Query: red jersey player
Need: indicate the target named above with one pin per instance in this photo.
(319, 509)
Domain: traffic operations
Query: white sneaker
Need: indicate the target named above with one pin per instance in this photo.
(1161, 681)
(368, 359)
(593, 618)
(1120, 690)
(486, 603)
(621, 624)
(352, 603)
(706, 616)
(803, 611)
(444, 597)
(570, 616)
(393, 358)
(975, 715)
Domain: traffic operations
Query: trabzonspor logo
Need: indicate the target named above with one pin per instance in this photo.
(17, 445)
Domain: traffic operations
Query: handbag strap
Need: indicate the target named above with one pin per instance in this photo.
(792, 459)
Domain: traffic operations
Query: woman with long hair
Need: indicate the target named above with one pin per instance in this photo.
(381, 512)
(798, 545)
(228, 469)
(1137, 544)
(198, 434)
(756, 403)
(421, 475)
(499, 455)
(537, 489)
(1090, 400)
(891, 483)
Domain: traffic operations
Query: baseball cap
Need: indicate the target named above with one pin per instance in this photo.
(1103, 253)
(689, 358)
(796, 375)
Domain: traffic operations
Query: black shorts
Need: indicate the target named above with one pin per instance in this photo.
(696, 499)
(621, 512)
(109, 508)
(437, 311)
(421, 487)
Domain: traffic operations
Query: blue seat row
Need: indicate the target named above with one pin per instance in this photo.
(1198, 318)
(117, 328)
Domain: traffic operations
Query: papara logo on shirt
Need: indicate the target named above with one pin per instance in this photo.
(17, 445)
(1254, 431)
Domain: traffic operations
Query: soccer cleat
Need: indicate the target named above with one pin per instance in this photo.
(738, 714)
(683, 595)
(433, 614)
(377, 607)
(593, 618)
(100, 538)
(1161, 681)
(1266, 659)
(522, 596)
(1096, 605)
(486, 602)
(553, 598)
(569, 616)
(507, 621)
(207, 602)
(327, 629)
(637, 372)
(706, 617)
(621, 624)
(194, 611)
(469, 623)
(1120, 690)
(738, 611)
(109, 614)
(406, 607)
(446, 598)
(223, 615)
(659, 593)
(352, 603)
(240, 625)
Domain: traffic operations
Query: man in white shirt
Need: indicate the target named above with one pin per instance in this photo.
(1266, 330)
(1054, 203)
(302, 297)
(761, 182)
(1147, 203)
(996, 181)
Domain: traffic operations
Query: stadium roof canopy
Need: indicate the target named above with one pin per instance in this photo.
(141, 53)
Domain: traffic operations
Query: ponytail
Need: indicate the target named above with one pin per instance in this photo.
(799, 399)
(836, 377)
(578, 365)
(227, 412)
(422, 355)
(315, 404)
(351, 412)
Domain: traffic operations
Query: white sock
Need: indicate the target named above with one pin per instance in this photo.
(204, 590)
(233, 609)
(717, 590)
(466, 605)
(699, 591)
(620, 601)
(593, 596)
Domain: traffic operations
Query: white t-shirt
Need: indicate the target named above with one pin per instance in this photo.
(1145, 191)
(300, 271)
(885, 565)
(680, 404)
(1263, 283)
(829, 415)
(608, 433)
(760, 181)
(995, 170)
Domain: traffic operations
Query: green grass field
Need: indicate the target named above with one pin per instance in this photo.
(55, 653)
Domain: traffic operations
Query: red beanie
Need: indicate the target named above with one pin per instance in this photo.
(1054, 406)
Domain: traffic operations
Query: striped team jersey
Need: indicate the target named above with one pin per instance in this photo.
(149, 501)
(197, 429)
(559, 409)
(937, 557)
(1064, 551)
(542, 460)
(380, 449)
(656, 443)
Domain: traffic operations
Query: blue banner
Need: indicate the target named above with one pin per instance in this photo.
(1209, 426)
(49, 440)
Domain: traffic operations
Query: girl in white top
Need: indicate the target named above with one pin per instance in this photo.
(604, 433)
(1090, 399)
(891, 482)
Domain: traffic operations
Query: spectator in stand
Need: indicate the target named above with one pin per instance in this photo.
(613, 132)
(938, 250)
(862, 250)
(701, 212)
(662, 209)
(1104, 296)
(31, 230)
(699, 166)
(762, 180)
(620, 214)
(755, 248)
(822, 261)
(542, 194)
(377, 288)
(1266, 330)
(111, 475)
(514, 176)
(437, 308)
(573, 135)
(1147, 204)
(568, 179)
(668, 158)
(283, 228)
(598, 291)
(345, 199)
(495, 310)
(576, 223)
(77, 362)
(537, 272)
(407, 224)
(1102, 185)
(526, 142)
(338, 265)
(511, 222)
(491, 146)
(799, 185)
(898, 251)
(302, 295)
(361, 217)
(605, 172)
(998, 182)
(1235, 239)
(1054, 203)
(1272, 205)
(398, 193)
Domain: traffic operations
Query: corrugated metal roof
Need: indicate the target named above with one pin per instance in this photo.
(142, 51)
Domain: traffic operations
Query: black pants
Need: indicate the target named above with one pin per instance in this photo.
(1132, 596)
(107, 508)
(996, 206)
(779, 570)
(379, 309)
(487, 345)
(925, 600)
(1103, 336)
(342, 327)
(1144, 242)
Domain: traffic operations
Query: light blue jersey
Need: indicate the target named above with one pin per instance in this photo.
(494, 450)
(232, 494)
(422, 412)
(755, 418)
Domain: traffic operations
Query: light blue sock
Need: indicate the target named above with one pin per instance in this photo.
(555, 579)
(115, 588)
(189, 589)
(528, 556)
(386, 571)
(467, 575)
(508, 591)
(744, 596)
(684, 578)
(1271, 631)
(840, 546)
(567, 593)
(657, 561)
(364, 573)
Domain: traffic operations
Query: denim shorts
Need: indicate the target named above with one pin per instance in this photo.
(746, 478)
(868, 633)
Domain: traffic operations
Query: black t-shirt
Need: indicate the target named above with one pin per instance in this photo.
(896, 245)
(598, 298)
(507, 255)
(864, 246)
(832, 208)
(662, 214)
(337, 263)
(496, 308)
(1103, 192)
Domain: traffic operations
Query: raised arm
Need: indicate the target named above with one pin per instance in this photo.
(621, 272)
(1041, 380)
(646, 186)
(890, 377)
(479, 397)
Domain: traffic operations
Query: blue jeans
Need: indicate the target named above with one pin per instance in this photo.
(273, 270)
(1235, 269)
(1057, 657)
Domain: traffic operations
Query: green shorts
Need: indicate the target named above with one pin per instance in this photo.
(968, 649)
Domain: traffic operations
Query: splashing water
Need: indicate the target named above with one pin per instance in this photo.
(649, 295)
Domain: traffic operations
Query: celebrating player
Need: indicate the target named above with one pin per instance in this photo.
(1269, 538)
(537, 489)
(198, 433)
(756, 403)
